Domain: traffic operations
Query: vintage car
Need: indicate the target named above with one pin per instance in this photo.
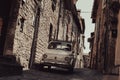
(59, 54)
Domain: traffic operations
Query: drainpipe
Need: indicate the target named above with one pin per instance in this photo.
(35, 37)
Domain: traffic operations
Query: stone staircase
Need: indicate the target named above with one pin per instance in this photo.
(9, 66)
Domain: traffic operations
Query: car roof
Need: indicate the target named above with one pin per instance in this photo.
(68, 42)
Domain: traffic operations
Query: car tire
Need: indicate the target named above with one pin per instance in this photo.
(49, 67)
(41, 67)
(71, 70)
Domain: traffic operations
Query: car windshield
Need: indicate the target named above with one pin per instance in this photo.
(60, 46)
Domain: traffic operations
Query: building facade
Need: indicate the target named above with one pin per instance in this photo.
(103, 49)
(80, 43)
(27, 26)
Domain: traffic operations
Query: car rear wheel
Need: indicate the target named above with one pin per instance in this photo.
(70, 69)
(41, 67)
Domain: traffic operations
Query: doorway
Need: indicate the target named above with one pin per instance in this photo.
(5, 6)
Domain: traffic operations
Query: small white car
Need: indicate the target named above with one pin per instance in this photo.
(59, 54)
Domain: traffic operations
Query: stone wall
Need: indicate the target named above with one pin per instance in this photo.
(25, 30)
(117, 55)
(47, 17)
(117, 51)
(32, 29)
(105, 41)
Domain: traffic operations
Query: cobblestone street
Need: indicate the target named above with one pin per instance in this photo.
(79, 74)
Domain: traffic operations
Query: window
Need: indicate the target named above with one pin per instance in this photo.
(114, 7)
(59, 46)
(22, 20)
(54, 34)
(54, 5)
(50, 32)
(114, 33)
(23, 2)
(114, 20)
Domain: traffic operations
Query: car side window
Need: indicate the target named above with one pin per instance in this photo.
(51, 46)
(60, 46)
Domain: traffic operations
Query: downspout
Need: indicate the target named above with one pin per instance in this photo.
(58, 23)
(35, 37)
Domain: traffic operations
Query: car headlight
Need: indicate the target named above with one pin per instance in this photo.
(44, 55)
(68, 59)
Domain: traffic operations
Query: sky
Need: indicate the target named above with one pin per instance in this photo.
(86, 7)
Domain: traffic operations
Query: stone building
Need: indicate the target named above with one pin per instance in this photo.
(103, 49)
(40, 25)
(91, 41)
(27, 26)
(80, 45)
(86, 60)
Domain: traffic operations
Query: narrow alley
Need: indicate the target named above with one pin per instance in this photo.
(79, 74)
(59, 40)
(58, 74)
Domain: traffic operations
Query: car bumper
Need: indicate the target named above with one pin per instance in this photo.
(60, 64)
